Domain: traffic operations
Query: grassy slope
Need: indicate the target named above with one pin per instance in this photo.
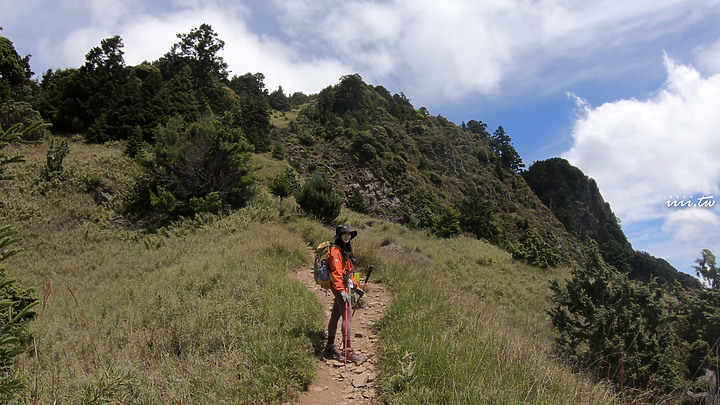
(438, 159)
(204, 313)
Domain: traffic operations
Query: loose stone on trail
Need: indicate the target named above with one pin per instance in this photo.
(360, 381)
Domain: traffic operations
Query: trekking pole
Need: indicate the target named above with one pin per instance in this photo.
(346, 276)
(367, 277)
(346, 332)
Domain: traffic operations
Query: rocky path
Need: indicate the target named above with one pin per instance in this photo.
(334, 383)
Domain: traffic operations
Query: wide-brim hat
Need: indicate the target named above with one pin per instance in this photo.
(345, 228)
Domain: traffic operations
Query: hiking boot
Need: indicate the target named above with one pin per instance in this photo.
(332, 352)
(353, 357)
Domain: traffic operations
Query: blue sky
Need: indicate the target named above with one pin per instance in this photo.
(628, 91)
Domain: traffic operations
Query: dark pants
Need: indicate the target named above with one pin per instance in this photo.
(338, 311)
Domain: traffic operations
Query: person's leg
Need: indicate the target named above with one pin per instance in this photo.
(337, 311)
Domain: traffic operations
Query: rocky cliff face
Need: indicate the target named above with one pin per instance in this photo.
(575, 200)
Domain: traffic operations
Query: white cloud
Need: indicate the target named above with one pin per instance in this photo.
(107, 13)
(148, 37)
(663, 146)
(77, 44)
(692, 225)
(709, 57)
(457, 48)
(643, 153)
(431, 50)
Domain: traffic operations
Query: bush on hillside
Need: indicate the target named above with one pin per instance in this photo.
(21, 112)
(448, 224)
(16, 305)
(477, 217)
(534, 250)
(616, 328)
(284, 185)
(203, 166)
(56, 154)
(318, 198)
(357, 203)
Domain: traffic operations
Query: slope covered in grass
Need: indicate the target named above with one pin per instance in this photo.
(200, 313)
(467, 325)
(204, 311)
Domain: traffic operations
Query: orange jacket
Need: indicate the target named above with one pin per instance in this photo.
(337, 269)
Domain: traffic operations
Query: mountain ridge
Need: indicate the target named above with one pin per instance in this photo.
(415, 160)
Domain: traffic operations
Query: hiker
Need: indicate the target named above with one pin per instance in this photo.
(341, 259)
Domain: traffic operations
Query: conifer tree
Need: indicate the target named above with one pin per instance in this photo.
(207, 162)
(104, 76)
(16, 302)
(357, 203)
(616, 328)
(707, 269)
(502, 145)
(284, 185)
(278, 100)
(319, 198)
(448, 223)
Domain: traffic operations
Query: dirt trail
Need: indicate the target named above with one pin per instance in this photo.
(335, 384)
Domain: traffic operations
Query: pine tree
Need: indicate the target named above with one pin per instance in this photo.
(318, 197)
(502, 145)
(357, 203)
(284, 185)
(278, 100)
(707, 269)
(16, 302)
(616, 328)
(194, 162)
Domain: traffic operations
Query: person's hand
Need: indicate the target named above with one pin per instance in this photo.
(345, 296)
(360, 292)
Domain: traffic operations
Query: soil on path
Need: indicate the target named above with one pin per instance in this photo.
(334, 383)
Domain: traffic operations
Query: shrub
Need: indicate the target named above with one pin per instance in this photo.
(448, 224)
(193, 162)
(318, 198)
(607, 323)
(368, 152)
(278, 151)
(164, 201)
(22, 113)
(284, 185)
(93, 181)
(356, 202)
(16, 312)
(211, 203)
(56, 154)
(476, 216)
(133, 146)
(534, 250)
